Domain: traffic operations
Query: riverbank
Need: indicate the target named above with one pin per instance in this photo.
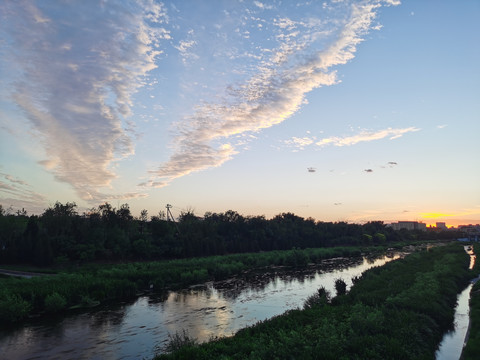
(94, 284)
(398, 311)
(134, 329)
(472, 339)
(472, 348)
(21, 298)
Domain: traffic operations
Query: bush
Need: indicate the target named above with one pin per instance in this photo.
(13, 308)
(55, 302)
(178, 341)
(341, 287)
(321, 297)
(296, 257)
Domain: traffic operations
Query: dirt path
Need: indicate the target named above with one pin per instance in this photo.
(25, 274)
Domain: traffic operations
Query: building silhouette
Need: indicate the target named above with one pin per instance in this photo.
(409, 225)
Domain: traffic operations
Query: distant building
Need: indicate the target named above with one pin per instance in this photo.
(409, 225)
(441, 226)
(472, 232)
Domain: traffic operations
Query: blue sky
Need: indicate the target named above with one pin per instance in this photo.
(337, 110)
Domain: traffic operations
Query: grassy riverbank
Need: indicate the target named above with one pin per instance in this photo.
(94, 283)
(472, 349)
(400, 311)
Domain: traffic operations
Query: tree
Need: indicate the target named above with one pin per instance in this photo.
(143, 219)
(124, 213)
(22, 212)
(107, 212)
(69, 209)
(379, 238)
(161, 216)
(142, 248)
(143, 215)
(233, 217)
(43, 252)
(187, 216)
(373, 227)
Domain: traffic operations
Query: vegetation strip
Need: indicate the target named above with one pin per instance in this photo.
(398, 311)
(94, 283)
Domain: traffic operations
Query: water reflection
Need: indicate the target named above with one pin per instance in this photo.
(473, 257)
(453, 342)
(133, 330)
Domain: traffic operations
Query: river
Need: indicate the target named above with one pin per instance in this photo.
(137, 329)
(454, 341)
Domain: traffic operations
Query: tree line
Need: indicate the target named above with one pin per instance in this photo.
(61, 236)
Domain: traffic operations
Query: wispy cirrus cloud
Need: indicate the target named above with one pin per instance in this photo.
(185, 48)
(365, 136)
(78, 78)
(15, 180)
(275, 90)
(362, 136)
(300, 143)
(262, 5)
(18, 194)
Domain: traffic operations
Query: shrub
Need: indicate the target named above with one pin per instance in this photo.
(177, 341)
(321, 297)
(341, 287)
(55, 302)
(13, 308)
(296, 257)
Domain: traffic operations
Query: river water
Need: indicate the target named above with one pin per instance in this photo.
(136, 330)
(453, 342)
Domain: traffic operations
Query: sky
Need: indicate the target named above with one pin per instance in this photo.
(337, 110)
